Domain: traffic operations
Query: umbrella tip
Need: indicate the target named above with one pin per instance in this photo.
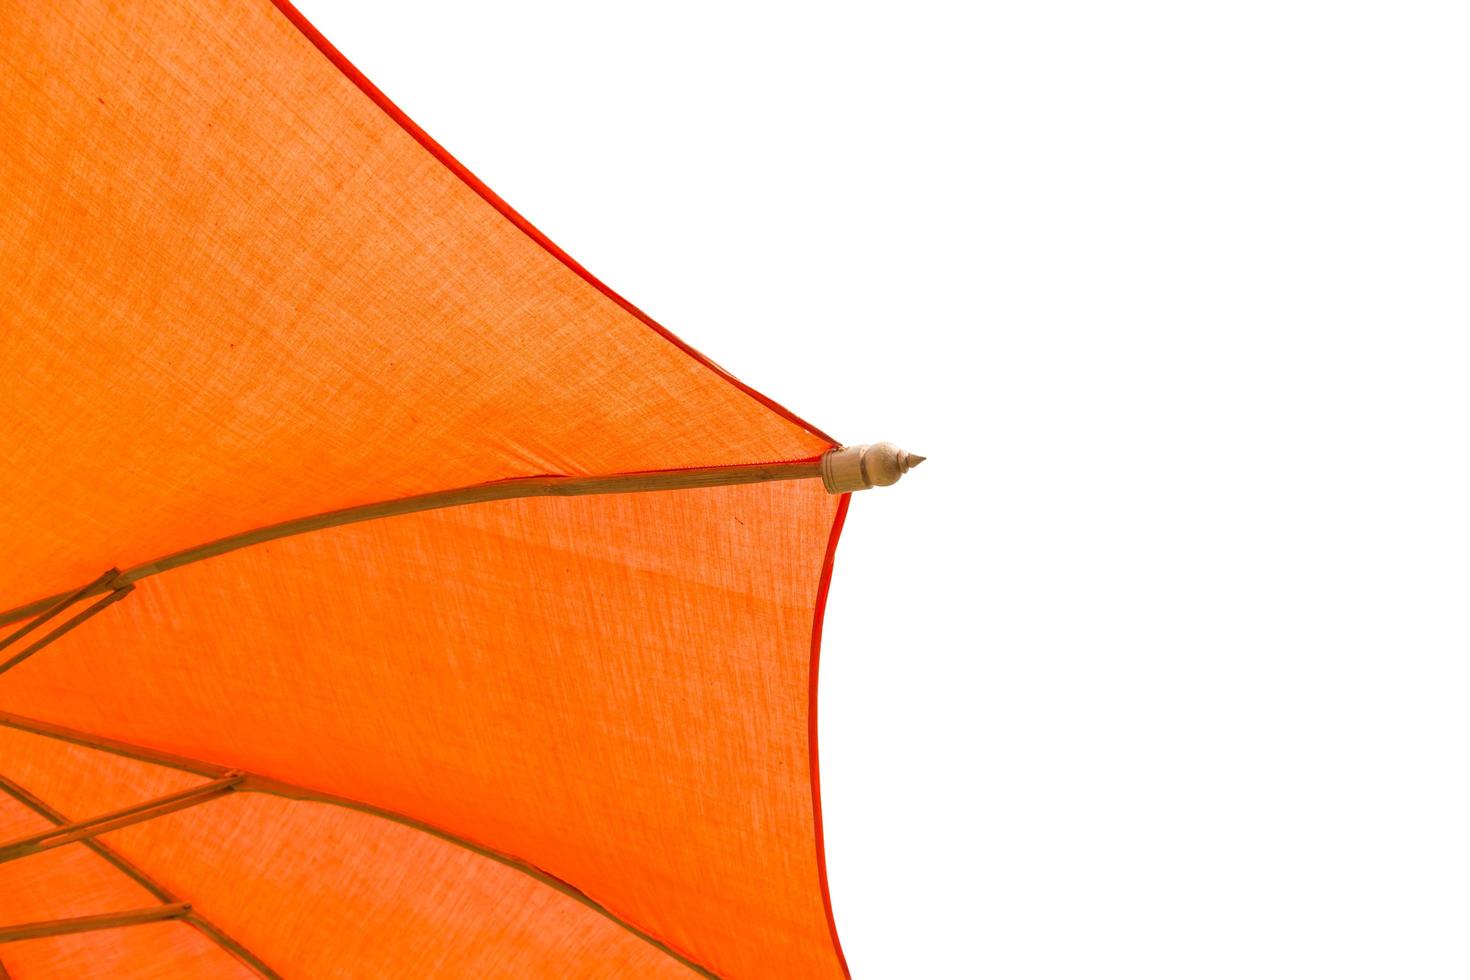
(849, 468)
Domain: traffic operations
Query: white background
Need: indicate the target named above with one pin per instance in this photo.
(1158, 668)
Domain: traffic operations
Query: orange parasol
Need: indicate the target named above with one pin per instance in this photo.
(386, 595)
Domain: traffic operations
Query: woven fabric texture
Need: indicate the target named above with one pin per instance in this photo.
(529, 738)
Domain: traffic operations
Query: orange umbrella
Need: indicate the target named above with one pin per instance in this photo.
(386, 595)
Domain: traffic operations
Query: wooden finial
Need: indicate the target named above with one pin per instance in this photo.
(860, 467)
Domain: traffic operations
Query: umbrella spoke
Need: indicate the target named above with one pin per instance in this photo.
(112, 857)
(117, 819)
(91, 923)
(91, 588)
(253, 782)
(67, 626)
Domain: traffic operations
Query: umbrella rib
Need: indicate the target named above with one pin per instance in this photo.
(70, 624)
(158, 891)
(106, 823)
(91, 923)
(254, 782)
(511, 489)
(64, 603)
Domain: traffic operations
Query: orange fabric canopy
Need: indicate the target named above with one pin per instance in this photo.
(526, 737)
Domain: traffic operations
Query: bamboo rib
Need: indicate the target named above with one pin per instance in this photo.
(67, 626)
(158, 891)
(91, 923)
(116, 820)
(534, 486)
(29, 799)
(253, 782)
(65, 601)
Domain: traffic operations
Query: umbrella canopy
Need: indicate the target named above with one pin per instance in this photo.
(386, 596)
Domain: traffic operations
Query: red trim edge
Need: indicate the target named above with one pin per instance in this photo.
(821, 609)
(475, 184)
